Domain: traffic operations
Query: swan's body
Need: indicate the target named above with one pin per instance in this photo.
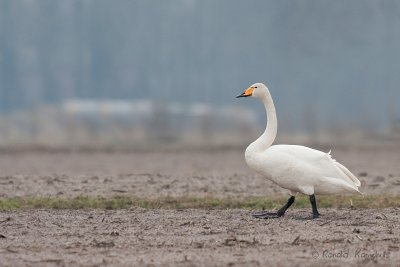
(302, 169)
(296, 168)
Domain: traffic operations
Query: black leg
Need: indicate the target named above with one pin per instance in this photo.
(313, 201)
(279, 213)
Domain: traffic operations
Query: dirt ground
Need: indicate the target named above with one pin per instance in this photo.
(199, 238)
(142, 237)
(218, 173)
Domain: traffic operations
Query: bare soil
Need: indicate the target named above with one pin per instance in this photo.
(218, 173)
(139, 237)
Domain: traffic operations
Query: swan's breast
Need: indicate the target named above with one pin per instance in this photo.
(258, 162)
(273, 166)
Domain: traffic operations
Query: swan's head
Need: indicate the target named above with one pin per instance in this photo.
(256, 90)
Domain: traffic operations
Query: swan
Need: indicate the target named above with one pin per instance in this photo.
(299, 169)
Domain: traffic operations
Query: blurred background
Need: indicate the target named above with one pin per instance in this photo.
(144, 73)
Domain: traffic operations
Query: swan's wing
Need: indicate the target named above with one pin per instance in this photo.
(320, 162)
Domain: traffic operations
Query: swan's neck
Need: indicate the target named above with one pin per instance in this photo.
(268, 137)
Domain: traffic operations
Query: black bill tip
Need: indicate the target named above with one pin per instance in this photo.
(243, 95)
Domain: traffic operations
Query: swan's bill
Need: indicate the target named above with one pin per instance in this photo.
(248, 92)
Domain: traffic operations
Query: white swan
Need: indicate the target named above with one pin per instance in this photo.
(299, 169)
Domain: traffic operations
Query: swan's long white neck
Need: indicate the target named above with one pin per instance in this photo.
(268, 137)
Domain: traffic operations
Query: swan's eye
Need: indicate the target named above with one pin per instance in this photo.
(255, 86)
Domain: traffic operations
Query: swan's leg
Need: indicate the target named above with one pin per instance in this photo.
(279, 213)
(313, 201)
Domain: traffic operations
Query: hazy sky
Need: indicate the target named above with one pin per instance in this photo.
(328, 61)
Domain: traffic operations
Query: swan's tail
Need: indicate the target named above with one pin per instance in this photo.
(338, 185)
(345, 171)
(348, 173)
